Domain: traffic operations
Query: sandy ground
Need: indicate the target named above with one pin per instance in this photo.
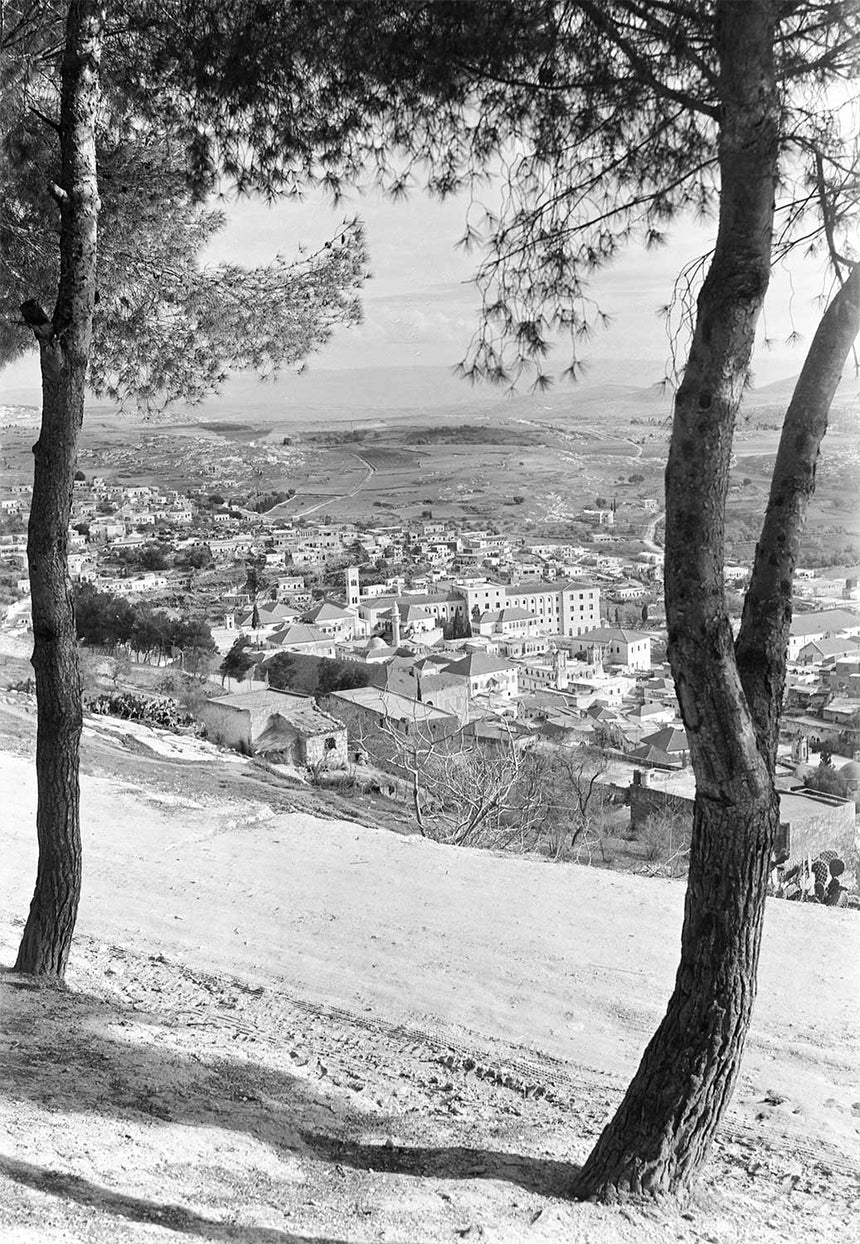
(284, 1028)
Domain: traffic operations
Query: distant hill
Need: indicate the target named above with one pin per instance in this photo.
(401, 392)
(780, 391)
(407, 393)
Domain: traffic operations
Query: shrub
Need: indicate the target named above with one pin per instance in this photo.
(150, 710)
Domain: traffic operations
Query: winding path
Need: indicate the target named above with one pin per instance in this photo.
(650, 531)
(328, 501)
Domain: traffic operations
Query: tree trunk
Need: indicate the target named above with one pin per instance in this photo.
(762, 642)
(689, 1068)
(64, 343)
(662, 1131)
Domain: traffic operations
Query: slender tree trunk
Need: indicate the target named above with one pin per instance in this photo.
(690, 1066)
(64, 343)
(662, 1131)
(762, 642)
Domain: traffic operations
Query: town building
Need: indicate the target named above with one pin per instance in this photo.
(265, 617)
(563, 607)
(511, 621)
(614, 645)
(277, 724)
(365, 710)
(301, 637)
(486, 675)
(540, 673)
(332, 620)
(809, 628)
(443, 607)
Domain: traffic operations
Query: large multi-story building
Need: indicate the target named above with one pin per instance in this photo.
(442, 606)
(565, 607)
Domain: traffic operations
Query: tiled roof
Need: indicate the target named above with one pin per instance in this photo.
(392, 704)
(300, 633)
(477, 663)
(613, 634)
(326, 612)
(670, 739)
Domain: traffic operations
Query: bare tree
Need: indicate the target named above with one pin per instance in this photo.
(575, 800)
(464, 791)
(508, 793)
(667, 833)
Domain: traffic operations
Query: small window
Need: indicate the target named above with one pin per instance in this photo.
(330, 744)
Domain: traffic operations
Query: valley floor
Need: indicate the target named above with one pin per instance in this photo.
(287, 1029)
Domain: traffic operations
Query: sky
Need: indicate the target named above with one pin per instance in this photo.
(420, 308)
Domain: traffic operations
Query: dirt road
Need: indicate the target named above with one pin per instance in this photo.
(356, 488)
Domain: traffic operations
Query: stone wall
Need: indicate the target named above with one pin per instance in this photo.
(329, 749)
(647, 801)
(809, 823)
(828, 826)
(231, 727)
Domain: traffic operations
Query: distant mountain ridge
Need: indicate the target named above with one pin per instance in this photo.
(359, 394)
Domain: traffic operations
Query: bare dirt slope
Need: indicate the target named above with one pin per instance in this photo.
(282, 1028)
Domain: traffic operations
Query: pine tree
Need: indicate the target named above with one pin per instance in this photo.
(610, 119)
(135, 315)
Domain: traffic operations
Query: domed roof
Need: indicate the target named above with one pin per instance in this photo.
(850, 770)
(377, 642)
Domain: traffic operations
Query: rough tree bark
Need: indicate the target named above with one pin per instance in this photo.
(662, 1131)
(763, 638)
(64, 343)
(730, 693)
(731, 849)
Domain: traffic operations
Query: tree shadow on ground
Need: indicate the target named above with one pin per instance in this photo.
(546, 1177)
(136, 1209)
(122, 1063)
(95, 1069)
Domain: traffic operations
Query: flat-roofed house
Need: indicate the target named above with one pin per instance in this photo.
(276, 724)
(364, 709)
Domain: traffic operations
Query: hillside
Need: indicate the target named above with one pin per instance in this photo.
(283, 1028)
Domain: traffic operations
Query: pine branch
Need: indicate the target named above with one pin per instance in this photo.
(836, 259)
(641, 65)
(49, 121)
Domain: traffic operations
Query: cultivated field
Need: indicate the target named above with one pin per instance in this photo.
(463, 454)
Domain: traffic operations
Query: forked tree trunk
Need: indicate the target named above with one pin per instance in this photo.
(64, 344)
(763, 638)
(662, 1131)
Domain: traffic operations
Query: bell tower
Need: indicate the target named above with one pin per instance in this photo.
(352, 587)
